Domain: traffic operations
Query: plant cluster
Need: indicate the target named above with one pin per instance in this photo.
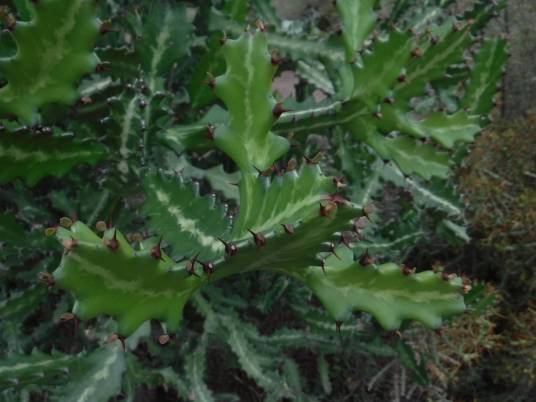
(150, 144)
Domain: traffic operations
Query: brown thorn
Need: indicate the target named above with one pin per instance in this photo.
(210, 81)
(265, 173)
(332, 250)
(327, 208)
(123, 343)
(323, 265)
(258, 238)
(208, 268)
(113, 244)
(209, 135)
(278, 110)
(190, 266)
(156, 251)
(289, 229)
(230, 248)
(366, 260)
(309, 160)
(102, 67)
(105, 27)
(408, 271)
(416, 53)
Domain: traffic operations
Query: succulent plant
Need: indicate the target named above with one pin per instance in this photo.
(394, 110)
(295, 223)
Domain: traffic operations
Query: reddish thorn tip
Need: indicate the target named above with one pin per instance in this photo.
(366, 260)
(278, 110)
(289, 229)
(258, 238)
(113, 243)
(156, 251)
(208, 268)
(230, 248)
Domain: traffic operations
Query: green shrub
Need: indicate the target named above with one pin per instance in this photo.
(180, 106)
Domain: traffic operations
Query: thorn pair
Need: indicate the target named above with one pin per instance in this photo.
(208, 267)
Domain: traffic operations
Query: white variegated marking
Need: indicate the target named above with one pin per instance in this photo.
(98, 376)
(159, 49)
(185, 224)
(245, 360)
(248, 109)
(20, 155)
(443, 203)
(113, 282)
(55, 51)
(34, 365)
(126, 129)
(96, 87)
(376, 246)
(293, 45)
(199, 386)
(279, 216)
(391, 295)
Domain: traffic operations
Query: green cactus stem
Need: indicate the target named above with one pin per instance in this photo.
(54, 50)
(291, 224)
(33, 157)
